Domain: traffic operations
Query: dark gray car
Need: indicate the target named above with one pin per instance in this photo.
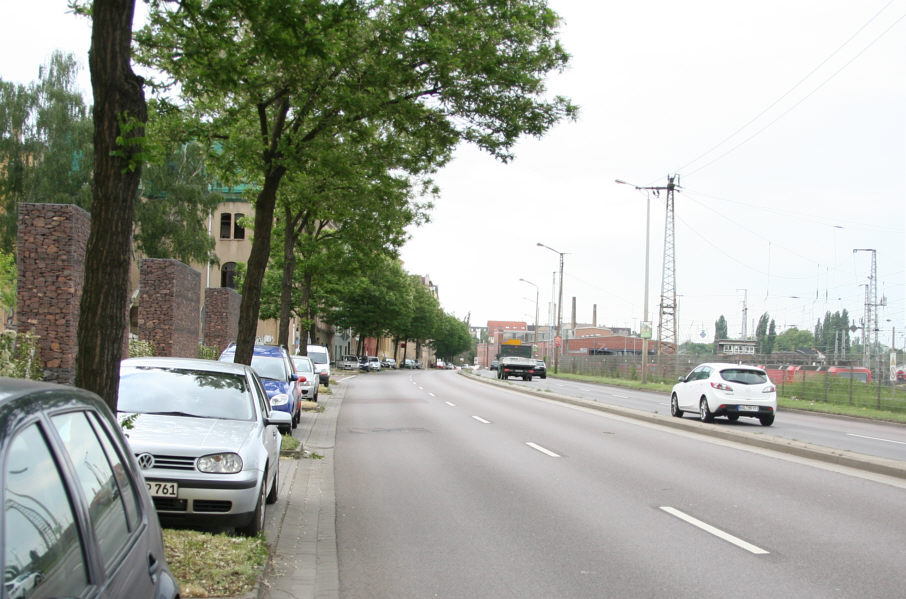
(77, 517)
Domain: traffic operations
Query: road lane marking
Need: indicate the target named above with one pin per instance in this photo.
(875, 438)
(481, 420)
(715, 531)
(620, 396)
(537, 447)
(431, 394)
(450, 403)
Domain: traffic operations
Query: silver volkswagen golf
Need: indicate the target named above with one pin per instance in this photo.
(206, 439)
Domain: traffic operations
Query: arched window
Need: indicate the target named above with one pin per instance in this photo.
(228, 275)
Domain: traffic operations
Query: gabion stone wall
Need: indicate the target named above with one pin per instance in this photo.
(52, 240)
(168, 301)
(221, 316)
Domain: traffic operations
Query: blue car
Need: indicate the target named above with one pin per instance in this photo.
(275, 368)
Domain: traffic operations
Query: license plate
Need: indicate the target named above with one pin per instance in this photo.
(748, 408)
(162, 489)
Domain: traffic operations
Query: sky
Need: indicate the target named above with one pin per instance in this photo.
(785, 121)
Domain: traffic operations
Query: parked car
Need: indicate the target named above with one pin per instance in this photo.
(349, 362)
(373, 363)
(77, 517)
(206, 438)
(493, 365)
(309, 381)
(731, 390)
(277, 372)
(388, 363)
(540, 369)
(321, 358)
(409, 363)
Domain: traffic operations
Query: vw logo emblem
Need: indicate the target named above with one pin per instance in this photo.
(146, 461)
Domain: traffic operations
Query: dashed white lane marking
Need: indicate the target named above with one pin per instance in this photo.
(431, 394)
(715, 531)
(537, 447)
(620, 396)
(875, 438)
(481, 420)
(450, 403)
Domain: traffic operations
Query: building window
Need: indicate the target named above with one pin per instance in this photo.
(238, 230)
(226, 223)
(228, 275)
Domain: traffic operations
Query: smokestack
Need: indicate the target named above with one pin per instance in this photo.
(594, 316)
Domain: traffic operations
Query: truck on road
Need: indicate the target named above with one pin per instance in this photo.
(516, 360)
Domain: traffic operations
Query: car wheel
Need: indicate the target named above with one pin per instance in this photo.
(767, 420)
(674, 407)
(257, 523)
(704, 411)
(272, 496)
(296, 418)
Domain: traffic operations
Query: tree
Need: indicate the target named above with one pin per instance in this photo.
(451, 336)
(771, 339)
(720, 330)
(761, 333)
(272, 78)
(119, 117)
(793, 339)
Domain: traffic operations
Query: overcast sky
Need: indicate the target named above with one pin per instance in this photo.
(786, 122)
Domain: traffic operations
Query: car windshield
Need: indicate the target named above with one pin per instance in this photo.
(199, 393)
(269, 367)
(318, 357)
(303, 365)
(744, 376)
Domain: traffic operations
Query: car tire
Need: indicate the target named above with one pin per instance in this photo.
(674, 407)
(256, 525)
(766, 420)
(272, 496)
(704, 412)
(296, 418)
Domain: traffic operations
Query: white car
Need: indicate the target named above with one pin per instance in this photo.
(205, 437)
(731, 390)
(373, 363)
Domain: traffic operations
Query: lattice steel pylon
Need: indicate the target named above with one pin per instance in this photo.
(667, 327)
(870, 323)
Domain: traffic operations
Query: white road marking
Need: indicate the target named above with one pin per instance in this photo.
(875, 438)
(715, 531)
(620, 396)
(542, 449)
(451, 404)
(481, 420)
(431, 394)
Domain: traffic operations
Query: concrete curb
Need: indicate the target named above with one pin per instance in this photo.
(840, 457)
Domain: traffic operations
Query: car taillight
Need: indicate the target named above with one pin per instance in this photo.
(721, 386)
(769, 389)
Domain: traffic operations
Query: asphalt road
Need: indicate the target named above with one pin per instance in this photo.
(868, 437)
(447, 487)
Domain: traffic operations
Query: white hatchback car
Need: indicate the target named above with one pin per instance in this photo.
(731, 390)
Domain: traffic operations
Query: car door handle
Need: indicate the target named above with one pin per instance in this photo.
(153, 568)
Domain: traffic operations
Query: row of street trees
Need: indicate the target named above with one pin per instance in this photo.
(336, 113)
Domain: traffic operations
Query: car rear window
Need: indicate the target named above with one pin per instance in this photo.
(318, 357)
(744, 376)
(269, 367)
(201, 393)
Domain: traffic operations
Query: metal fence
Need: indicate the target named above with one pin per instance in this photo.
(805, 386)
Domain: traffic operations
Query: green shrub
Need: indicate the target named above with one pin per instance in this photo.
(19, 356)
(208, 352)
(140, 349)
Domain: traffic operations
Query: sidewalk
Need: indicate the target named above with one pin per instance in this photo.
(301, 526)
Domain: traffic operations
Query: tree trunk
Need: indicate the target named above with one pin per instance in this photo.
(286, 288)
(257, 264)
(118, 99)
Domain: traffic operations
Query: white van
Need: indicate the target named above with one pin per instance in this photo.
(321, 358)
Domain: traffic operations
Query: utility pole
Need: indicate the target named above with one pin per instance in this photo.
(559, 308)
(871, 308)
(745, 313)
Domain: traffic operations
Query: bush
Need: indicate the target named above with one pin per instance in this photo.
(208, 352)
(140, 349)
(19, 356)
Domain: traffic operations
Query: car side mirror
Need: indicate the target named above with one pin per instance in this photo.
(278, 418)
(294, 377)
(682, 379)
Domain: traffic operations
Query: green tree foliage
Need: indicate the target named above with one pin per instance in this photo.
(271, 78)
(793, 339)
(8, 286)
(720, 330)
(697, 349)
(771, 339)
(832, 335)
(45, 143)
(451, 336)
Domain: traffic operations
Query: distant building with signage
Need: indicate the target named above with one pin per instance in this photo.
(736, 347)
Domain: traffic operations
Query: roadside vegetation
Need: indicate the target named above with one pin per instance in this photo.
(214, 565)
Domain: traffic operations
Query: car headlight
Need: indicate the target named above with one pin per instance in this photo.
(280, 399)
(220, 463)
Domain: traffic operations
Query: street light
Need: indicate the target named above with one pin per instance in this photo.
(537, 292)
(647, 245)
(559, 306)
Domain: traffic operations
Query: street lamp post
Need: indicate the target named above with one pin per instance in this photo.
(559, 307)
(537, 293)
(647, 246)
